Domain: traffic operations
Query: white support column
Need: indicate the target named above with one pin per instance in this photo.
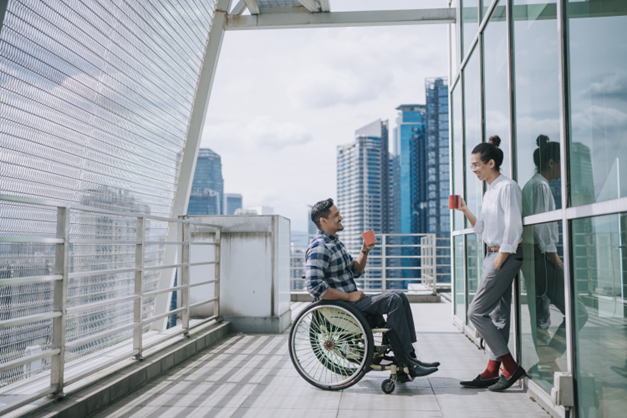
(325, 5)
(239, 8)
(61, 263)
(139, 289)
(270, 20)
(252, 6)
(190, 152)
(310, 5)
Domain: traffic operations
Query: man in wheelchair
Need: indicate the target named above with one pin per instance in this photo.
(330, 272)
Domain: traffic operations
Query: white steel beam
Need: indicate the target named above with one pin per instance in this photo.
(190, 151)
(311, 5)
(252, 6)
(325, 5)
(341, 19)
(239, 8)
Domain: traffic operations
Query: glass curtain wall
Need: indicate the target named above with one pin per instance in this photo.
(567, 84)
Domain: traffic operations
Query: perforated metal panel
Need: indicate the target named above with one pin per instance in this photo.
(95, 102)
(278, 3)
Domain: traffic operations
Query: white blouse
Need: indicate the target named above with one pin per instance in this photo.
(500, 222)
(538, 198)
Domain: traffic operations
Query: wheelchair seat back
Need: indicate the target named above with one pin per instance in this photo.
(340, 320)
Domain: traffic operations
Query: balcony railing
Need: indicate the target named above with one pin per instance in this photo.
(410, 262)
(69, 257)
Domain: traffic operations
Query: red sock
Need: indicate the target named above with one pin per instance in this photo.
(509, 365)
(492, 371)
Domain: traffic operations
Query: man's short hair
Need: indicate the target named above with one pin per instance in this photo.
(321, 210)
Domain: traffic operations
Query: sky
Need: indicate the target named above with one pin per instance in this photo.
(283, 100)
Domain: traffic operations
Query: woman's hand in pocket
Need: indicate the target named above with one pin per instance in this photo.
(500, 260)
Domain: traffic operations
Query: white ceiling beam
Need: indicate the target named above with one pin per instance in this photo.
(252, 6)
(239, 8)
(341, 19)
(325, 5)
(311, 5)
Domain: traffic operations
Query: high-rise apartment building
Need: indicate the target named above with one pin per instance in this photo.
(232, 202)
(208, 185)
(363, 183)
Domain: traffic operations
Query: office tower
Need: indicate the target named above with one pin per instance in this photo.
(363, 189)
(232, 202)
(409, 146)
(437, 157)
(438, 220)
(312, 229)
(208, 185)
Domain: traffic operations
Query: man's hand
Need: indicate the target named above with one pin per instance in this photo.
(355, 296)
(499, 260)
(555, 260)
(367, 248)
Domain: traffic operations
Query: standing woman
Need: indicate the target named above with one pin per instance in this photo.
(500, 225)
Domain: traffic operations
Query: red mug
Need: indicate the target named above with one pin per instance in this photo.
(454, 201)
(369, 237)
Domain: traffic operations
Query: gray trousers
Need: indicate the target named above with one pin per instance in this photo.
(395, 305)
(490, 310)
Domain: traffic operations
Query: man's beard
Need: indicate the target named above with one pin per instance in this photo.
(340, 227)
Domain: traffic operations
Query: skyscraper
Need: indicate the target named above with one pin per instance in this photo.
(363, 182)
(438, 219)
(232, 202)
(409, 145)
(363, 189)
(208, 185)
(312, 229)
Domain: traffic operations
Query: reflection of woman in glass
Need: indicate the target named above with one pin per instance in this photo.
(500, 225)
(542, 270)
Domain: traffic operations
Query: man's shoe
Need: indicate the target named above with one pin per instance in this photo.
(479, 383)
(412, 357)
(422, 364)
(505, 383)
(418, 371)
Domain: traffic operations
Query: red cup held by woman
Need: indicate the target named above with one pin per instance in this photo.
(369, 237)
(454, 201)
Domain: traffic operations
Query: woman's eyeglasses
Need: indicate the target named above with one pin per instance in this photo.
(475, 166)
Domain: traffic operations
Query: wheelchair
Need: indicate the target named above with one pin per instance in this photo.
(332, 346)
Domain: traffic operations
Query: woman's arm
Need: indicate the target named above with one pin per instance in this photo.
(464, 209)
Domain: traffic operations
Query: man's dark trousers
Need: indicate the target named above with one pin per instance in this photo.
(394, 303)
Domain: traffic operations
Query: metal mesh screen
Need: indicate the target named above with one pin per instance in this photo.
(95, 102)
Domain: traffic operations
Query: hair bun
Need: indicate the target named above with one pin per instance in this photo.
(542, 140)
(495, 140)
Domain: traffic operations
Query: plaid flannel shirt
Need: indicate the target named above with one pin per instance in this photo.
(328, 264)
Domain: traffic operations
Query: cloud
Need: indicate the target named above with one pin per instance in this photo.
(262, 133)
(614, 84)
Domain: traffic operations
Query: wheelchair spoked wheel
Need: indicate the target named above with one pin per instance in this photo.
(331, 345)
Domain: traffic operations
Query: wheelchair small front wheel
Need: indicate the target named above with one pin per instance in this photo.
(388, 386)
(331, 345)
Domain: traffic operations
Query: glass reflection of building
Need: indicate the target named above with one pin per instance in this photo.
(552, 68)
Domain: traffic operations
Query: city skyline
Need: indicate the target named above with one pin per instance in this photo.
(277, 113)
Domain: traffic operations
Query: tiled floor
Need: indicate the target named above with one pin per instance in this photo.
(252, 376)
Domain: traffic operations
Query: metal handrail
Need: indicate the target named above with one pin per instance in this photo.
(61, 277)
(428, 256)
